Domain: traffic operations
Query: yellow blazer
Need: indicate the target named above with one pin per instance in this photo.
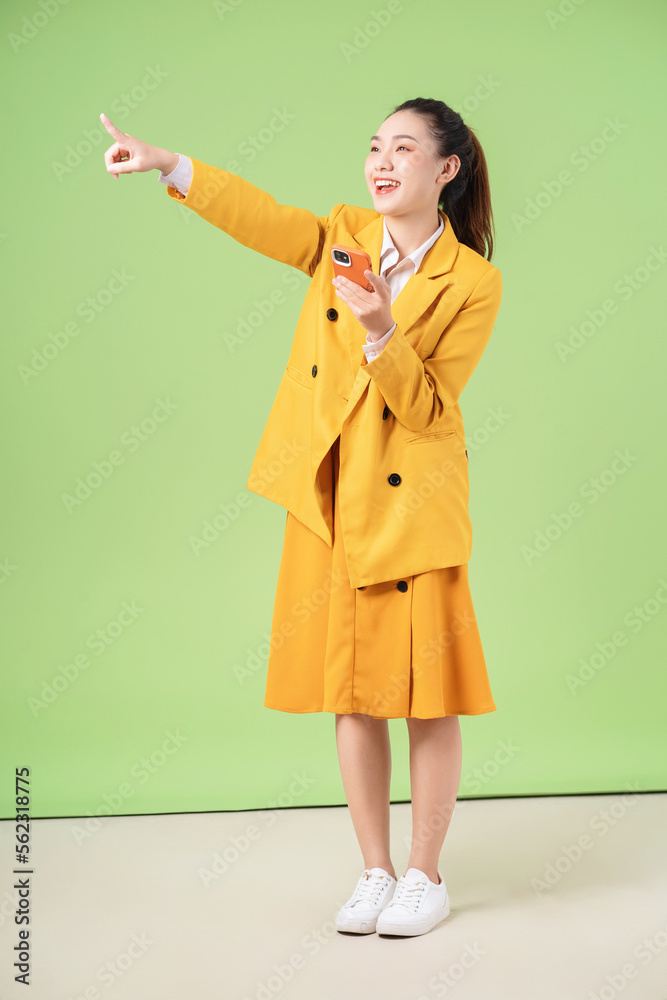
(403, 488)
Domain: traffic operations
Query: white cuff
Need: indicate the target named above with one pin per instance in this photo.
(181, 176)
(372, 350)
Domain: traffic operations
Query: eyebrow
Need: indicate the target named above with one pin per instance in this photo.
(396, 137)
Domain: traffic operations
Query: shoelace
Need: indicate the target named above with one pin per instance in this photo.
(369, 887)
(408, 894)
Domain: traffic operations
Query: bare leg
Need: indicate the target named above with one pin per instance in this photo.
(435, 775)
(364, 753)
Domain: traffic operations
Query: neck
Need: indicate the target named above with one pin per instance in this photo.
(409, 231)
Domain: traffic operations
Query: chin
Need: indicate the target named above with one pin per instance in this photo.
(379, 202)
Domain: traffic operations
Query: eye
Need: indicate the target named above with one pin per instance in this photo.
(399, 147)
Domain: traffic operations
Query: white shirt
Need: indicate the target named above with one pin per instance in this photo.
(181, 178)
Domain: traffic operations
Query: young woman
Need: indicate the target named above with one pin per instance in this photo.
(365, 448)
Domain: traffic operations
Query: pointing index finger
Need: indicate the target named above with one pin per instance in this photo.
(111, 128)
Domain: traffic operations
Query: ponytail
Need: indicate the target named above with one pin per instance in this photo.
(466, 200)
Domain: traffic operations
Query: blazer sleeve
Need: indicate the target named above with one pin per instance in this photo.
(419, 393)
(251, 216)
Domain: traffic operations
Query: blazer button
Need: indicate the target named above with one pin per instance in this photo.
(313, 371)
(385, 413)
(332, 314)
(394, 479)
(402, 585)
(467, 454)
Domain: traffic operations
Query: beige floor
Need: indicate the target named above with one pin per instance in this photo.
(241, 906)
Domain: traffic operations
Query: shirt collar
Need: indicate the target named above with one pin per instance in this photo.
(389, 253)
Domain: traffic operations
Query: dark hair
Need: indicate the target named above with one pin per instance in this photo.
(466, 201)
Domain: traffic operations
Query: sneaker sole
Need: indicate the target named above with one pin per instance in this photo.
(349, 926)
(398, 929)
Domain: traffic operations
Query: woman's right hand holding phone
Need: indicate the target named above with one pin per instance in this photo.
(129, 155)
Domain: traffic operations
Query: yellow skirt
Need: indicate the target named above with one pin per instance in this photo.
(405, 648)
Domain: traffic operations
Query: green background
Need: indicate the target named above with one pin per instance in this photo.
(543, 428)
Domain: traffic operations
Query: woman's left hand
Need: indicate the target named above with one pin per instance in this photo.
(372, 309)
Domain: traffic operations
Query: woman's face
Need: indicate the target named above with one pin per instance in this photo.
(403, 151)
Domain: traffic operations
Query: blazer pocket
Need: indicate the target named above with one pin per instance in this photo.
(430, 436)
(299, 377)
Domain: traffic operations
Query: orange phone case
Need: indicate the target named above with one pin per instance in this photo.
(359, 262)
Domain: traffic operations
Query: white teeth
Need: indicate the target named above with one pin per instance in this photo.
(386, 183)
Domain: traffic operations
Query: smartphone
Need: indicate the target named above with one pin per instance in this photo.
(351, 264)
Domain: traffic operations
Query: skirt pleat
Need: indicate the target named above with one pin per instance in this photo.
(407, 648)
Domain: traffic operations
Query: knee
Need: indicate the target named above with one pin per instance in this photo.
(357, 715)
(449, 721)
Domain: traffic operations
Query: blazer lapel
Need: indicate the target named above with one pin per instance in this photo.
(416, 296)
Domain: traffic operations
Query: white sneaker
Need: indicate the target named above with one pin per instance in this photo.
(360, 913)
(416, 906)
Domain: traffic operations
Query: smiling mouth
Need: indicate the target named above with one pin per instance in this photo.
(385, 188)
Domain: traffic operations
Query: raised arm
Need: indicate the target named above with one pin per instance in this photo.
(251, 216)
